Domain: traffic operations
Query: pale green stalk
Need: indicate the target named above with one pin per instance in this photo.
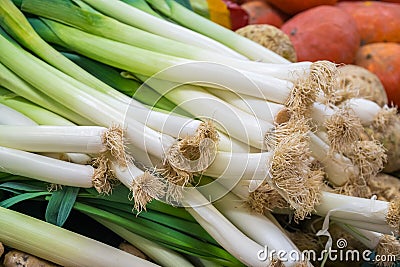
(78, 100)
(137, 18)
(217, 32)
(15, 23)
(176, 69)
(34, 112)
(142, 5)
(161, 255)
(98, 24)
(12, 82)
(59, 245)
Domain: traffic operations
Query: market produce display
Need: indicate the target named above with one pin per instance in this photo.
(199, 133)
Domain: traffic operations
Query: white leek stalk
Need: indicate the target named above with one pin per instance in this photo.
(260, 108)
(337, 167)
(13, 117)
(222, 230)
(16, 118)
(386, 246)
(364, 109)
(79, 101)
(240, 166)
(369, 214)
(59, 245)
(45, 169)
(256, 226)
(79, 139)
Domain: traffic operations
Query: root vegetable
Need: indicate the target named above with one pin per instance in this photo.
(1, 249)
(132, 250)
(357, 81)
(385, 187)
(17, 258)
(272, 38)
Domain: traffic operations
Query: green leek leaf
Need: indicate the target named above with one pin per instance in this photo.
(60, 205)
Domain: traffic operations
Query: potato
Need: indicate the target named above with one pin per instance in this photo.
(15, 258)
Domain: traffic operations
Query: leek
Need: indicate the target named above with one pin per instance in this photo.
(12, 82)
(11, 116)
(15, 23)
(43, 240)
(135, 17)
(204, 26)
(46, 169)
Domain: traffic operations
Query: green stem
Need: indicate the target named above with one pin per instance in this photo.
(196, 22)
(170, 238)
(59, 245)
(16, 24)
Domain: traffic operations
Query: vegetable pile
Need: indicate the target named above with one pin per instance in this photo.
(363, 33)
(193, 143)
